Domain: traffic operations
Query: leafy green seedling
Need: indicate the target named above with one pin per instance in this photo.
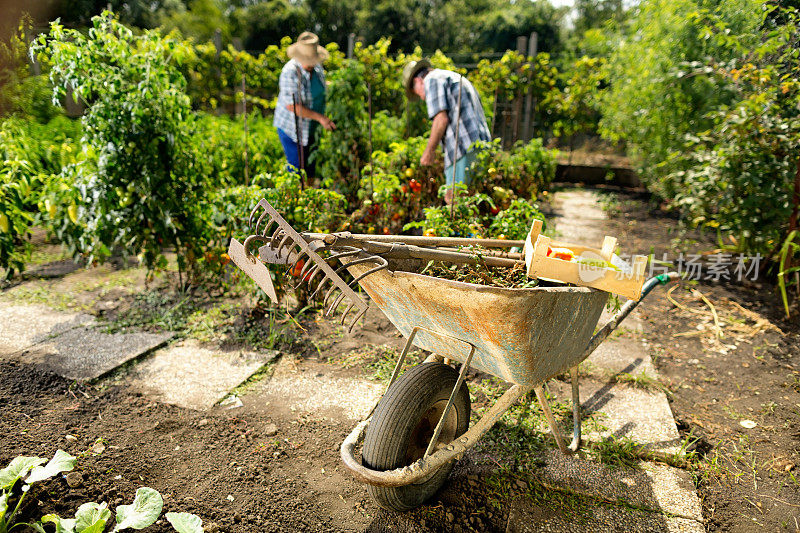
(30, 471)
(143, 512)
(185, 522)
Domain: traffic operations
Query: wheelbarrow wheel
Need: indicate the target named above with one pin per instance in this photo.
(403, 425)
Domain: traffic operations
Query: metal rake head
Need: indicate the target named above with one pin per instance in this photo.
(282, 245)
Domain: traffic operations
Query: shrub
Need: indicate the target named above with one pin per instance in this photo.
(144, 192)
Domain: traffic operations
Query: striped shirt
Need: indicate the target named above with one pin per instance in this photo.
(441, 94)
(288, 87)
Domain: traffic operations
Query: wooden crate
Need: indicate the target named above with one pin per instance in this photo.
(626, 282)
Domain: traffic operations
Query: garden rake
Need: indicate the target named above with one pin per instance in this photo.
(282, 245)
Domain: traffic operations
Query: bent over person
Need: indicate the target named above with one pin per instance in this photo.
(440, 89)
(301, 101)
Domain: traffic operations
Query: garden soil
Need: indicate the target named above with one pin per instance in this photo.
(749, 478)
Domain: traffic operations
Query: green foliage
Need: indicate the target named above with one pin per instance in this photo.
(577, 106)
(144, 191)
(200, 21)
(466, 220)
(395, 188)
(31, 155)
(220, 146)
(741, 176)
(477, 215)
(28, 470)
(342, 153)
(514, 75)
(515, 222)
(654, 98)
(526, 170)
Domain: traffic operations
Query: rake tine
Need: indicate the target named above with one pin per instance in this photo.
(328, 295)
(349, 307)
(368, 272)
(335, 304)
(253, 213)
(344, 254)
(275, 237)
(355, 262)
(280, 247)
(319, 287)
(260, 219)
(306, 267)
(249, 240)
(355, 320)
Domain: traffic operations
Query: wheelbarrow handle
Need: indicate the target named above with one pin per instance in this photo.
(625, 310)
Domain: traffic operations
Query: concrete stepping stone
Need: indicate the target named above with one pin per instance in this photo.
(315, 390)
(23, 326)
(527, 517)
(195, 377)
(623, 411)
(651, 486)
(87, 352)
(621, 355)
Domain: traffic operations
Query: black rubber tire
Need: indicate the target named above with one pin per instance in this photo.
(403, 416)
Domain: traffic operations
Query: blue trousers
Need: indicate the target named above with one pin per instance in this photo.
(292, 151)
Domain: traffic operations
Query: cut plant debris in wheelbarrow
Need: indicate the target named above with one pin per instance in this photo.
(530, 317)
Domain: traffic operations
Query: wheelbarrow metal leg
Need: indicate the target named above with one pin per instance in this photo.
(576, 412)
(550, 420)
(459, 381)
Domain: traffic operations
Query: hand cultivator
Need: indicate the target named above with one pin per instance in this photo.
(523, 336)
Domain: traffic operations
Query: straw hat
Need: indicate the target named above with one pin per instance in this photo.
(307, 49)
(409, 71)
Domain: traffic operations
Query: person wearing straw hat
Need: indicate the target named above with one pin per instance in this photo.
(301, 101)
(455, 109)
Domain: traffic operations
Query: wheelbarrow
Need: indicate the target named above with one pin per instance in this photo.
(418, 429)
(524, 336)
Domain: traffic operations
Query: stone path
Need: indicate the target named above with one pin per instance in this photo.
(75, 346)
(654, 497)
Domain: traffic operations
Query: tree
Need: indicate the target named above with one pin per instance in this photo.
(199, 22)
(265, 23)
(654, 100)
(503, 21)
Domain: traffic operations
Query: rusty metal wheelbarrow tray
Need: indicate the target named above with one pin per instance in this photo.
(523, 336)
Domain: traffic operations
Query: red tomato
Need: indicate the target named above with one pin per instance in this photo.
(298, 268)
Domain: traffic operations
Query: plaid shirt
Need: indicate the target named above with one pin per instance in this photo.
(287, 85)
(441, 94)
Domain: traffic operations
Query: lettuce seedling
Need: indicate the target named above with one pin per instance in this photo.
(91, 517)
(29, 470)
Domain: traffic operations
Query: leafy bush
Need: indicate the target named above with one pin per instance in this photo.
(515, 222)
(220, 144)
(655, 97)
(742, 176)
(476, 215)
(144, 192)
(30, 156)
(526, 170)
(341, 153)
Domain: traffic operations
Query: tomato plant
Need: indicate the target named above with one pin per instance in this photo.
(144, 192)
